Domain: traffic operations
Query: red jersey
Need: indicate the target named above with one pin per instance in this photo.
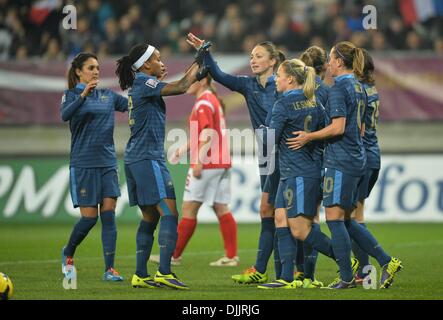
(207, 115)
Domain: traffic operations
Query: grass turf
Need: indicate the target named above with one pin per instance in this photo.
(30, 255)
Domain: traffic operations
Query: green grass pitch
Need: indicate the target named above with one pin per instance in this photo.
(30, 255)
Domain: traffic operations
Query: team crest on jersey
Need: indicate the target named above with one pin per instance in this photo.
(103, 97)
(152, 83)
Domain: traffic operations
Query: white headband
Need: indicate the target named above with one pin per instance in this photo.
(143, 58)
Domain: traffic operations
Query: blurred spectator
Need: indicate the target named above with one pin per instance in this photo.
(112, 27)
(438, 46)
(360, 39)
(378, 41)
(396, 33)
(53, 51)
(128, 35)
(236, 36)
(413, 41)
(111, 38)
(280, 31)
(21, 53)
(232, 12)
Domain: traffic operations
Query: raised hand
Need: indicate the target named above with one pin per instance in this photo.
(89, 87)
(194, 41)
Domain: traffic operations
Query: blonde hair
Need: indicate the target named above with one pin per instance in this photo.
(303, 74)
(352, 56)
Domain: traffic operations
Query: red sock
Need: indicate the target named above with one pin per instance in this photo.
(228, 228)
(185, 230)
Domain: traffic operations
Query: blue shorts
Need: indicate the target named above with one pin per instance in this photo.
(322, 175)
(89, 186)
(340, 189)
(299, 195)
(271, 185)
(148, 182)
(368, 182)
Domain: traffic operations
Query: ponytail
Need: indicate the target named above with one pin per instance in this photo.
(358, 63)
(124, 71)
(309, 85)
(353, 57)
(368, 70)
(77, 63)
(280, 58)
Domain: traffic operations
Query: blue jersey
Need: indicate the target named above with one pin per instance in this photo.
(321, 92)
(259, 99)
(370, 140)
(147, 117)
(293, 112)
(346, 152)
(321, 97)
(91, 121)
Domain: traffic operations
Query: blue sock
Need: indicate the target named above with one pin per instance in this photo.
(300, 257)
(310, 256)
(287, 248)
(80, 231)
(277, 262)
(109, 237)
(320, 242)
(144, 241)
(341, 244)
(367, 242)
(167, 240)
(265, 244)
(360, 255)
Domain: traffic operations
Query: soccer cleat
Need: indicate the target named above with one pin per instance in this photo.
(67, 264)
(281, 284)
(170, 280)
(354, 265)
(112, 275)
(340, 284)
(174, 261)
(300, 276)
(250, 276)
(388, 272)
(147, 282)
(309, 284)
(226, 262)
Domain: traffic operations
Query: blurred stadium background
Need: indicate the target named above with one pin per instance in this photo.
(35, 52)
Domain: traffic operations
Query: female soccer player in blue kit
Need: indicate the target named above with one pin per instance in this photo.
(298, 192)
(260, 95)
(93, 163)
(370, 177)
(149, 182)
(345, 165)
(306, 259)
